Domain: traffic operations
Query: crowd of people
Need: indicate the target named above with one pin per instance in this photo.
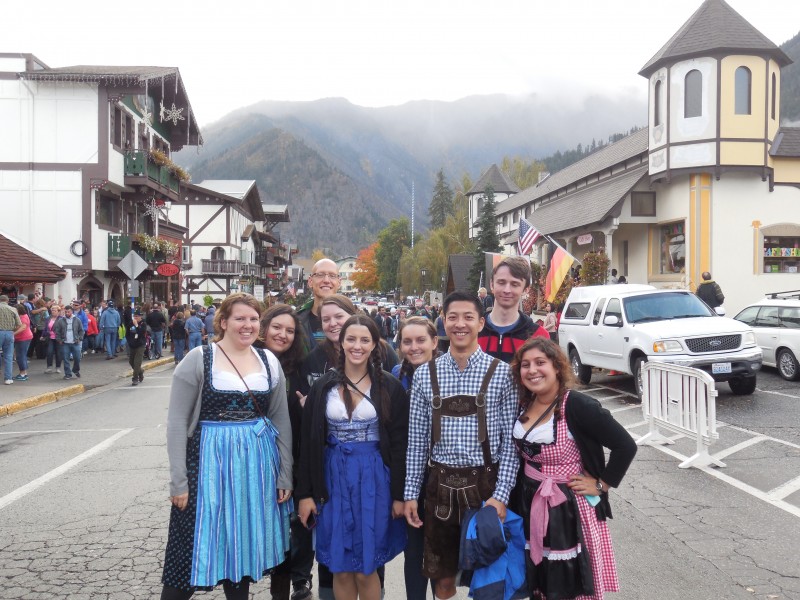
(352, 440)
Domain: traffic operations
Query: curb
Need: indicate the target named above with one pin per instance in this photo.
(9, 409)
(166, 360)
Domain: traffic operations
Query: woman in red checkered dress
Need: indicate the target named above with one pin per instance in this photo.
(562, 489)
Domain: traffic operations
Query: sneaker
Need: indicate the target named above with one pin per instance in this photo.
(21, 378)
(58, 370)
(141, 378)
(301, 590)
(8, 381)
(77, 374)
(134, 381)
(67, 376)
(48, 370)
(85, 353)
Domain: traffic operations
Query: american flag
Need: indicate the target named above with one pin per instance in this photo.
(527, 236)
(291, 290)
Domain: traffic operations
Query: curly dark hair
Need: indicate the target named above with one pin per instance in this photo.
(296, 354)
(375, 367)
(566, 379)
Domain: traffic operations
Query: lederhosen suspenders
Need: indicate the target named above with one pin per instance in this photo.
(457, 489)
(461, 405)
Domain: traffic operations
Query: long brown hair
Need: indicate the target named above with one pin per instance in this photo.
(294, 356)
(551, 350)
(331, 348)
(406, 368)
(375, 367)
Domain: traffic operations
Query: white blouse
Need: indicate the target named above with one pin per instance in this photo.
(335, 409)
(541, 434)
(224, 380)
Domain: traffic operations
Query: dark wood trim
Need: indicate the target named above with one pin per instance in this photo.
(765, 141)
(228, 225)
(669, 117)
(34, 166)
(7, 75)
(719, 110)
(766, 110)
(213, 245)
(206, 224)
(716, 170)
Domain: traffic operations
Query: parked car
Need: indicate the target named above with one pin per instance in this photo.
(620, 327)
(776, 323)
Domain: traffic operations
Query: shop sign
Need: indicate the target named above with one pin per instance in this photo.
(167, 270)
(584, 239)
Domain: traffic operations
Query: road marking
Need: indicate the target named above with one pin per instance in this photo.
(145, 387)
(778, 393)
(26, 489)
(55, 431)
(740, 446)
(740, 485)
(785, 489)
(622, 408)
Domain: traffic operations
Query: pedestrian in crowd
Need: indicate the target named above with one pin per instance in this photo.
(194, 330)
(710, 292)
(550, 321)
(53, 353)
(443, 342)
(560, 435)
(137, 335)
(208, 321)
(352, 462)
(92, 331)
(334, 311)
(22, 341)
(323, 282)
(109, 324)
(157, 323)
(284, 336)
(229, 442)
(178, 333)
(69, 336)
(465, 440)
(39, 315)
(622, 279)
(77, 310)
(10, 325)
(486, 300)
(613, 278)
(418, 342)
(507, 327)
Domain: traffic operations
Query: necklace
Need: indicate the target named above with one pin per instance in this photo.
(355, 385)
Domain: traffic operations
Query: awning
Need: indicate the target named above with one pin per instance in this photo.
(19, 264)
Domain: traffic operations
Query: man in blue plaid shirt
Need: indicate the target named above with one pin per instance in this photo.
(464, 471)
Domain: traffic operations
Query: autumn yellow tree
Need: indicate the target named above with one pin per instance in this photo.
(365, 276)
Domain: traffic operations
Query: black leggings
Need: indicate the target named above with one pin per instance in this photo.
(232, 592)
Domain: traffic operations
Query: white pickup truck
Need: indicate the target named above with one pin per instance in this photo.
(619, 327)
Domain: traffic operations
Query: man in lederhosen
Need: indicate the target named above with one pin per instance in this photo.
(462, 413)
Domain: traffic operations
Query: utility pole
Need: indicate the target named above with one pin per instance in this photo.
(412, 215)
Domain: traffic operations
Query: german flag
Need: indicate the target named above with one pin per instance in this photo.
(560, 262)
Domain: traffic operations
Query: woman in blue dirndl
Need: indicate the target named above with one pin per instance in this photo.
(352, 464)
(229, 444)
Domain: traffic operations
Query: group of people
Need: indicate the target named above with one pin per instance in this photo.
(295, 435)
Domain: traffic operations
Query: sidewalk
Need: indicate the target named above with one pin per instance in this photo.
(44, 388)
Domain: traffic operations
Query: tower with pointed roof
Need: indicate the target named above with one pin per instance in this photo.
(714, 96)
(502, 187)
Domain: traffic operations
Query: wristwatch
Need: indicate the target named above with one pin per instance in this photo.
(599, 486)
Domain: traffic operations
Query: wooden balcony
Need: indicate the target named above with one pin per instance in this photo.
(138, 167)
(220, 267)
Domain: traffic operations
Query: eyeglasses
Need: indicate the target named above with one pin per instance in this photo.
(321, 276)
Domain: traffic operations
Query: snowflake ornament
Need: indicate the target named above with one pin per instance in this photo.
(173, 114)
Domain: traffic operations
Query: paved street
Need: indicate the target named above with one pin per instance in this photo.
(83, 499)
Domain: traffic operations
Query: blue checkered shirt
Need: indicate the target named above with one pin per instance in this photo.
(459, 446)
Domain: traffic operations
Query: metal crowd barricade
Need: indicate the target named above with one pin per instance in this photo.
(682, 400)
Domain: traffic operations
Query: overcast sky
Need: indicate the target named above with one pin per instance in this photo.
(372, 52)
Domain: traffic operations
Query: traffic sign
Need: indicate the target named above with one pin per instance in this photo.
(132, 265)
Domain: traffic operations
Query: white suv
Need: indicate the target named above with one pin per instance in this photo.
(776, 323)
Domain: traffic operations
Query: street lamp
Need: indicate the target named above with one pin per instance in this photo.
(423, 274)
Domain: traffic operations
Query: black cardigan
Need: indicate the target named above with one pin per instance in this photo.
(594, 428)
(393, 437)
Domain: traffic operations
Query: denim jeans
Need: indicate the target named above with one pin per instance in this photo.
(74, 351)
(180, 348)
(158, 342)
(7, 344)
(53, 351)
(21, 349)
(195, 339)
(111, 336)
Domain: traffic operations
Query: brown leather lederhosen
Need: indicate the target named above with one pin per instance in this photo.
(451, 491)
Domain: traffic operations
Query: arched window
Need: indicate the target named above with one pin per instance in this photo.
(218, 253)
(657, 104)
(774, 94)
(743, 90)
(693, 95)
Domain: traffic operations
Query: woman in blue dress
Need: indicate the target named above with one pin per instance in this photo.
(230, 450)
(352, 464)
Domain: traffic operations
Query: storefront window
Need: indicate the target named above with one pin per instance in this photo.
(781, 254)
(672, 245)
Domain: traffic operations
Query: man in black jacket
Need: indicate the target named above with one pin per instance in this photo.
(323, 283)
(137, 333)
(157, 322)
(710, 292)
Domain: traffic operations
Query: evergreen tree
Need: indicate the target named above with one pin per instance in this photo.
(391, 241)
(487, 241)
(442, 203)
